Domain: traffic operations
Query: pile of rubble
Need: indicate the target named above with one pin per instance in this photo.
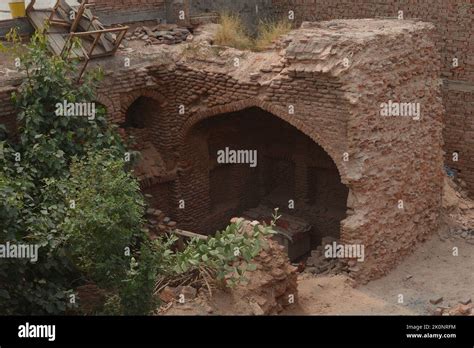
(267, 290)
(158, 223)
(461, 309)
(319, 264)
(458, 211)
(467, 234)
(167, 34)
(170, 294)
(273, 286)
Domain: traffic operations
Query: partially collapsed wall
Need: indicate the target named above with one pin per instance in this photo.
(345, 118)
(453, 21)
(335, 83)
(454, 25)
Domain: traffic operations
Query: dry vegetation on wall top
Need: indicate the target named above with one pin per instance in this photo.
(233, 33)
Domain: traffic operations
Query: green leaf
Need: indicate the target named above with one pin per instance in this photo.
(251, 267)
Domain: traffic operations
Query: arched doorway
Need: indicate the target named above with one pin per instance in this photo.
(243, 161)
(152, 167)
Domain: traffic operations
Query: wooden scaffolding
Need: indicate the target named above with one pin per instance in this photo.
(65, 25)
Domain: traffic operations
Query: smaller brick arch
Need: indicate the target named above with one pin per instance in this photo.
(127, 99)
(105, 101)
(273, 109)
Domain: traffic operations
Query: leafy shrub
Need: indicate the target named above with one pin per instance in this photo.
(136, 291)
(27, 217)
(107, 215)
(226, 256)
(34, 174)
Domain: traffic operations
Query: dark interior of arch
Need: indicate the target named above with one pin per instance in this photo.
(290, 167)
(140, 113)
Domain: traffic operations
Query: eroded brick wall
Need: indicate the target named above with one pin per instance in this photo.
(390, 160)
(454, 38)
(381, 160)
(127, 11)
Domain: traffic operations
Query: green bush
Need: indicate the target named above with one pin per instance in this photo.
(136, 291)
(107, 215)
(269, 31)
(35, 186)
(232, 33)
(224, 257)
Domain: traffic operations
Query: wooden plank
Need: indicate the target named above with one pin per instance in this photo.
(31, 5)
(103, 31)
(79, 14)
(84, 22)
(188, 234)
(96, 40)
(56, 40)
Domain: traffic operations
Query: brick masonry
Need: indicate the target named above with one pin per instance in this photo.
(119, 11)
(336, 106)
(329, 102)
(454, 38)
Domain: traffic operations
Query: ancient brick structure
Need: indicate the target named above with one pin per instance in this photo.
(453, 20)
(313, 109)
(314, 115)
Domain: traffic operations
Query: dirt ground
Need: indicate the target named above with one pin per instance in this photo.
(431, 272)
(439, 271)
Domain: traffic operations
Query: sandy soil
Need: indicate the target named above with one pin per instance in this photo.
(334, 295)
(431, 272)
(439, 268)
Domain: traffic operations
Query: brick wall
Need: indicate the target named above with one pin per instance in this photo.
(127, 11)
(454, 38)
(130, 5)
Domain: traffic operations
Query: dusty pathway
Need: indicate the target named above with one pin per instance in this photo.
(431, 272)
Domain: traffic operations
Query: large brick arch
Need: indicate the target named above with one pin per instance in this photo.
(277, 111)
